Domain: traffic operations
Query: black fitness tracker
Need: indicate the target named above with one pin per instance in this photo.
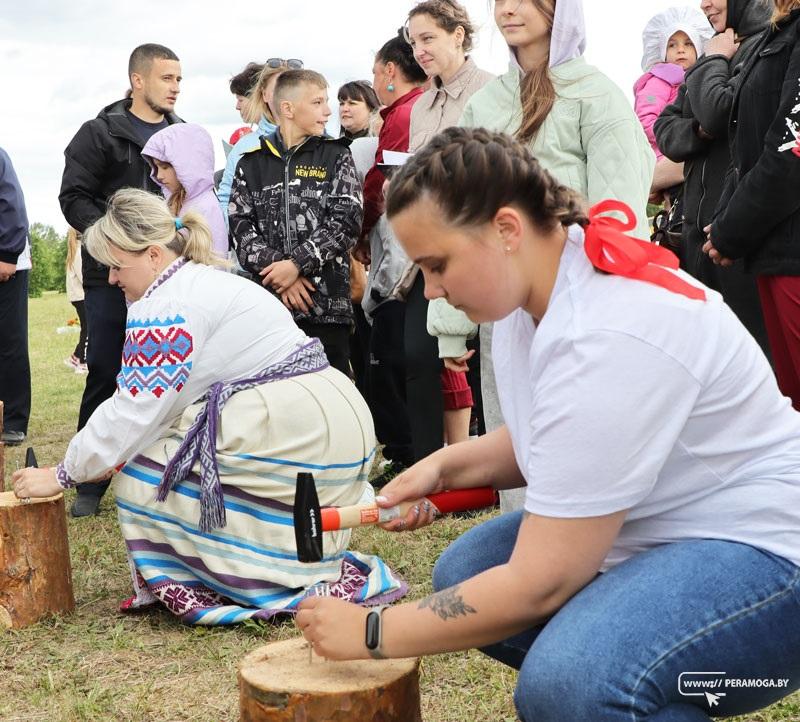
(374, 634)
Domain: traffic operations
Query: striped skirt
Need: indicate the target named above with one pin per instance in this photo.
(317, 422)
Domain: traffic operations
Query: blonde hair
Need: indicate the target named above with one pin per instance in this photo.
(254, 106)
(73, 245)
(783, 8)
(135, 220)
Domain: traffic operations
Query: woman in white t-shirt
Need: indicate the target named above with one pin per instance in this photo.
(661, 532)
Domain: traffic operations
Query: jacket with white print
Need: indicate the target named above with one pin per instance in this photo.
(758, 216)
(304, 204)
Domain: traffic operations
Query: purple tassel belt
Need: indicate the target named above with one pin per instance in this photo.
(200, 442)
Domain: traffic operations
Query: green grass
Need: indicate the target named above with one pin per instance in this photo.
(97, 664)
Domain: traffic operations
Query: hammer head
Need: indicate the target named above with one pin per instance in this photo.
(307, 520)
(30, 458)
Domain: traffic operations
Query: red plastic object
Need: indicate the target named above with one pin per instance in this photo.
(464, 499)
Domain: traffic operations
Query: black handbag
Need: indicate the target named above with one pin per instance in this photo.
(668, 227)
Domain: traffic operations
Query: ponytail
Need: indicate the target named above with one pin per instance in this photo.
(193, 240)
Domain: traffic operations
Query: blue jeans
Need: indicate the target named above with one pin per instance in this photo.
(616, 650)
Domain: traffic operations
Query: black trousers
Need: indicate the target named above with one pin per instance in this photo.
(423, 376)
(80, 347)
(335, 339)
(386, 382)
(359, 348)
(15, 368)
(106, 314)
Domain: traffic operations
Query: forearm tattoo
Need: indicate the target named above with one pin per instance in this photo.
(447, 604)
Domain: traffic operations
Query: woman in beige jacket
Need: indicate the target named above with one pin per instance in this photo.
(439, 400)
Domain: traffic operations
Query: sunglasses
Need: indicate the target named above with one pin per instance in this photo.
(291, 63)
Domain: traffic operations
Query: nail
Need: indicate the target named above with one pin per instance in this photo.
(426, 506)
(381, 499)
(416, 510)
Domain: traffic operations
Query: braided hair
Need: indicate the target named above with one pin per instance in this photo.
(470, 173)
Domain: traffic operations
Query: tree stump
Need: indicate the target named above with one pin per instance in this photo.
(35, 573)
(277, 683)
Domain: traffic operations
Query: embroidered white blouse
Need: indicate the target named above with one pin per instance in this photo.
(193, 327)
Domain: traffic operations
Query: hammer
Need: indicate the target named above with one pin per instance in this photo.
(310, 520)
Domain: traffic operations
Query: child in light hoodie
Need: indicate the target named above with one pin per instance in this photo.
(673, 40)
(182, 161)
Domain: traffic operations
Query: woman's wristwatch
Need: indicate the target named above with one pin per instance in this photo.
(374, 632)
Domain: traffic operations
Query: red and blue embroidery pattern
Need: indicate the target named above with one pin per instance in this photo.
(156, 356)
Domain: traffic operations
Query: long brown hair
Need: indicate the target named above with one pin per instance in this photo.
(537, 93)
(783, 8)
(176, 201)
(470, 173)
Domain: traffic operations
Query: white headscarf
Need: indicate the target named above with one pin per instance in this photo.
(663, 26)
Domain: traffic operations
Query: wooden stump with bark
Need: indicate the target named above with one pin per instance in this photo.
(35, 572)
(278, 683)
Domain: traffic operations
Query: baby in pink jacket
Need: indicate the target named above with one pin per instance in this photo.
(673, 40)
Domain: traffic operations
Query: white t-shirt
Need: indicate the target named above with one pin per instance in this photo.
(629, 396)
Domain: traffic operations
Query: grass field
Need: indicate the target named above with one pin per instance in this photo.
(97, 664)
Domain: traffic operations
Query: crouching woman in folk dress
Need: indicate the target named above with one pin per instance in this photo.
(661, 530)
(221, 400)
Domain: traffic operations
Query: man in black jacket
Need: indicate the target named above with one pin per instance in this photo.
(103, 157)
(15, 370)
(694, 131)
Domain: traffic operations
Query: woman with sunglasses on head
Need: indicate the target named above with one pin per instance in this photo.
(256, 108)
(577, 123)
(642, 420)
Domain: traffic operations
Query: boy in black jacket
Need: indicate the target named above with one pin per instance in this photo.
(296, 211)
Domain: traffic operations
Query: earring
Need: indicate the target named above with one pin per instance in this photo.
(390, 87)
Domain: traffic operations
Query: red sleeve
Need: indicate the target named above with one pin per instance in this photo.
(394, 136)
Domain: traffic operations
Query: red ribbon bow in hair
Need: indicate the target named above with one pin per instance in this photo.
(611, 250)
(796, 149)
